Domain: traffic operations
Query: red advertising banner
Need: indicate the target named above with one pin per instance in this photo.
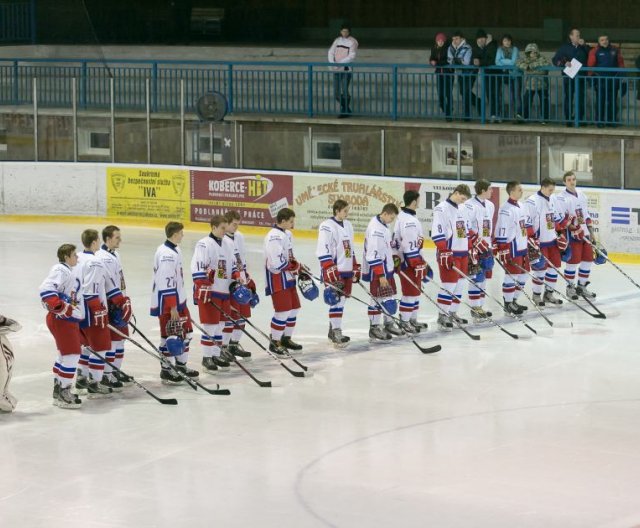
(257, 197)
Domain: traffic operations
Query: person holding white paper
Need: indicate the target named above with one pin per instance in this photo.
(576, 87)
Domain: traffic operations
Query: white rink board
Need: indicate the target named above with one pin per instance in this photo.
(79, 189)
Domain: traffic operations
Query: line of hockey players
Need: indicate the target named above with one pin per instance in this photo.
(89, 312)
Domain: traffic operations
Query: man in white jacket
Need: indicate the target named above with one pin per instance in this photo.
(342, 52)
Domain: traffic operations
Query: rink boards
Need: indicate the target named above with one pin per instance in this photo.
(153, 195)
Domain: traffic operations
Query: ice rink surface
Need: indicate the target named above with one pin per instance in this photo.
(542, 432)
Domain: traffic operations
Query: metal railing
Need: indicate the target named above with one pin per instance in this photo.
(408, 91)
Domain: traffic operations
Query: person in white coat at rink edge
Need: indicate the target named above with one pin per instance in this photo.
(377, 270)
(8, 401)
(335, 251)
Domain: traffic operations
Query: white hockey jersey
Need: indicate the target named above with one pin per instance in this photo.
(408, 239)
(335, 245)
(240, 254)
(205, 257)
(575, 205)
(278, 252)
(378, 254)
(511, 227)
(114, 274)
(168, 280)
(449, 229)
(63, 284)
(93, 276)
(480, 217)
(542, 217)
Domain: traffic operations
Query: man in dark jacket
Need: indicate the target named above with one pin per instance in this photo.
(606, 83)
(484, 55)
(576, 87)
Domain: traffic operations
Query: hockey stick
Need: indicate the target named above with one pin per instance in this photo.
(606, 257)
(194, 384)
(242, 367)
(164, 401)
(598, 315)
(538, 309)
(561, 274)
(471, 281)
(424, 350)
(473, 336)
(284, 365)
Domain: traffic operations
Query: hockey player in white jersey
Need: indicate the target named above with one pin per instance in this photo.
(213, 268)
(545, 220)
(573, 203)
(408, 239)
(377, 269)
(8, 401)
(61, 295)
(335, 251)
(169, 305)
(119, 304)
(480, 210)
(93, 328)
(232, 232)
(281, 269)
(512, 235)
(450, 234)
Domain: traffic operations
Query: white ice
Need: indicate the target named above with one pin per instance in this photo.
(543, 432)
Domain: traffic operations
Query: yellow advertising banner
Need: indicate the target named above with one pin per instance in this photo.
(313, 198)
(148, 193)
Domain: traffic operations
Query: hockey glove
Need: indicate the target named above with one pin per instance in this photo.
(504, 254)
(331, 274)
(396, 263)
(203, 292)
(62, 310)
(251, 284)
(99, 314)
(445, 259)
(482, 246)
(357, 273)
(124, 304)
(293, 266)
(562, 242)
(421, 272)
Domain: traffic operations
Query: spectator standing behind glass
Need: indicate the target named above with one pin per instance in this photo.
(576, 87)
(536, 80)
(343, 51)
(507, 57)
(606, 84)
(459, 54)
(484, 56)
(444, 75)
